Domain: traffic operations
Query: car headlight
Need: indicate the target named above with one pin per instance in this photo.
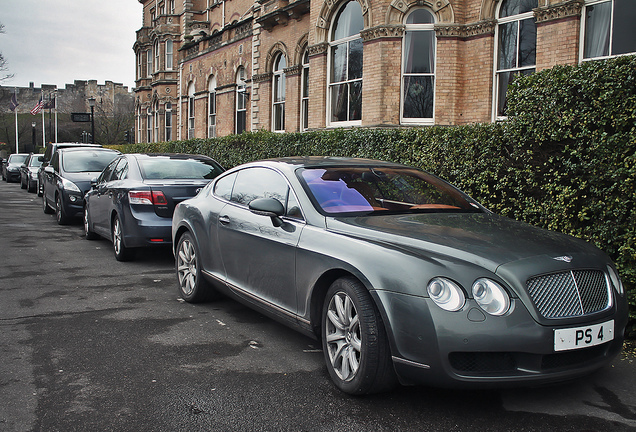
(616, 280)
(446, 294)
(491, 297)
(70, 186)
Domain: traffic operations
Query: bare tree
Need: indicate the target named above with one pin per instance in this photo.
(4, 65)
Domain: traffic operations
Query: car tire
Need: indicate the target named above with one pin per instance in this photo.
(193, 287)
(60, 214)
(30, 186)
(88, 233)
(354, 340)
(45, 205)
(22, 184)
(122, 253)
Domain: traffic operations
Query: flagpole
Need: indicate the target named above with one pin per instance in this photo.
(15, 111)
(55, 108)
(43, 123)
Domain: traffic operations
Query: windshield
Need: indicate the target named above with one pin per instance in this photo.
(17, 159)
(342, 190)
(87, 160)
(35, 162)
(165, 167)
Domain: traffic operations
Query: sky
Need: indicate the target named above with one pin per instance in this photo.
(60, 41)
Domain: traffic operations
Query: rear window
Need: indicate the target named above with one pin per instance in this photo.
(87, 160)
(18, 159)
(157, 168)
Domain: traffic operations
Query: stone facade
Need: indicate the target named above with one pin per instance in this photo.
(214, 38)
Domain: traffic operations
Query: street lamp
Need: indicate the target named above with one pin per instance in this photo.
(91, 103)
(33, 136)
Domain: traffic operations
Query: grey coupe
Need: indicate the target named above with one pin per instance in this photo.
(403, 277)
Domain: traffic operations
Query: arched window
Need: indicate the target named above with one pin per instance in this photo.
(191, 111)
(168, 125)
(241, 101)
(212, 107)
(608, 28)
(516, 46)
(418, 68)
(345, 71)
(304, 93)
(169, 52)
(278, 94)
(140, 135)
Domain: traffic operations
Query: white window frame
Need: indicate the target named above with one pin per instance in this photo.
(149, 63)
(156, 122)
(168, 121)
(169, 47)
(191, 111)
(332, 44)
(212, 107)
(416, 28)
(611, 32)
(157, 64)
(304, 92)
(240, 96)
(518, 18)
(149, 138)
(278, 79)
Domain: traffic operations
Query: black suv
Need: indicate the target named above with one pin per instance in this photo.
(68, 177)
(48, 154)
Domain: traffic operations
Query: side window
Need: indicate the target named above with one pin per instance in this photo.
(253, 183)
(108, 171)
(55, 162)
(223, 187)
(121, 171)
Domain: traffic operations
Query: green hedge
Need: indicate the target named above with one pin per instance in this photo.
(564, 160)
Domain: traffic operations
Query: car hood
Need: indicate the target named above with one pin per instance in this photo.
(82, 179)
(484, 239)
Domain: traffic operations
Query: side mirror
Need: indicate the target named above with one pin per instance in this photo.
(94, 183)
(270, 207)
(49, 169)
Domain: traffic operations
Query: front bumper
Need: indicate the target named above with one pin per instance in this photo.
(13, 175)
(472, 349)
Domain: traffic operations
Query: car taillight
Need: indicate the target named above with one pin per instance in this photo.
(147, 197)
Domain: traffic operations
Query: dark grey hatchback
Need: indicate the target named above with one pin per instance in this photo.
(403, 277)
(132, 200)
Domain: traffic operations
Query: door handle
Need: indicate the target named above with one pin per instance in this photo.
(225, 220)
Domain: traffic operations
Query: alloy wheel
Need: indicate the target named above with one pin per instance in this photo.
(343, 334)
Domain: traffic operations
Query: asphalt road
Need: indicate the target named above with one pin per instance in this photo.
(91, 344)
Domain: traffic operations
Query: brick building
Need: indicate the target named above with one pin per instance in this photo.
(217, 67)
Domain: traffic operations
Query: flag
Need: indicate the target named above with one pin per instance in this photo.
(14, 102)
(50, 104)
(38, 107)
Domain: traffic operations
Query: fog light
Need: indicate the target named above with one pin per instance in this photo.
(72, 198)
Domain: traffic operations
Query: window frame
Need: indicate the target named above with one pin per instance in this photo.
(278, 81)
(304, 91)
(168, 121)
(332, 45)
(169, 54)
(418, 28)
(212, 107)
(191, 111)
(583, 32)
(241, 96)
(518, 18)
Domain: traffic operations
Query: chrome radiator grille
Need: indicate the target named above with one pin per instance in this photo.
(569, 294)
